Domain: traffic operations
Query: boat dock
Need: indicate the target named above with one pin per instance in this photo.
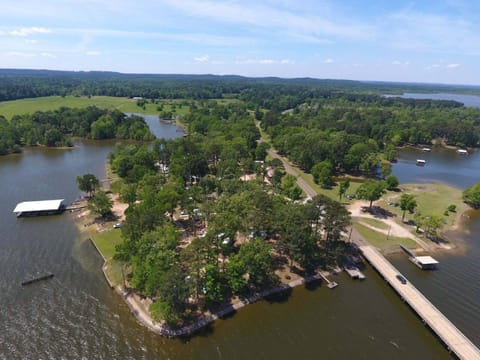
(453, 338)
(36, 208)
(330, 284)
(354, 272)
(423, 262)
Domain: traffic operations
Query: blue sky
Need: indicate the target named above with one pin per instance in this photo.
(423, 41)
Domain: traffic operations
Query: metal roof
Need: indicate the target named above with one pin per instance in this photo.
(426, 260)
(44, 205)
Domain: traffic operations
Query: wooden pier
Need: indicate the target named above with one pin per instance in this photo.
(330, 284)
(453, 338)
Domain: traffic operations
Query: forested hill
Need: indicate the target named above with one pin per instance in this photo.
(19, 84)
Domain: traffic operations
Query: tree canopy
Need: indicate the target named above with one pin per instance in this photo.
(471, 196)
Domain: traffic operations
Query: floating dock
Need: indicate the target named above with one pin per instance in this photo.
(36, 208)
(354, 272)
(37, 279)
(453, 338)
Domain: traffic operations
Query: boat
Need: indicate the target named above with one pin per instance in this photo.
(421, 162)
(462, 152)
(425, 149)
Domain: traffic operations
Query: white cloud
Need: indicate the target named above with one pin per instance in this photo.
(296, 24)
(328, 61)
(49, 55)
(92, 53)
(27, 31)
(30, 41)
(452, 66)
(398, 62)
(264, 61)
(202, 58)
(21, 54)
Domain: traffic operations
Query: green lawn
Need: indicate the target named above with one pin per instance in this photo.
(432, 199)
(106, 242)
(375, 223)
(27, 106)
(379, 239)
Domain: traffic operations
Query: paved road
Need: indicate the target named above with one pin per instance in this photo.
(288, 168)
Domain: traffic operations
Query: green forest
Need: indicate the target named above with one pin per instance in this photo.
(197, 234)
(56, 128)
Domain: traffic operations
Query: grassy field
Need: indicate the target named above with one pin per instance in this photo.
(27, 106)
(375, 223)
(106, 242)
(432, 199)
(379, 239)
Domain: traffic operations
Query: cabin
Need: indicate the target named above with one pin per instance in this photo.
(421, 162)
(37, 208)
(462, 152)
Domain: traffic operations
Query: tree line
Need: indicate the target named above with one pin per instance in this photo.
(57, 127)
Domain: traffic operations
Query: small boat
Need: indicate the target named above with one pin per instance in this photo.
(421, 162)
(425, 149)
(462, 152)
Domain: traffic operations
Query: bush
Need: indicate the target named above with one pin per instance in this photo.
(452, 208)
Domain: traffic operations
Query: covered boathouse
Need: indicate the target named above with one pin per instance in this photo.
(35, 208)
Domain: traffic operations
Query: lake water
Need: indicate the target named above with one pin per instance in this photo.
(75, 315)
(467, 100)
(442, 164)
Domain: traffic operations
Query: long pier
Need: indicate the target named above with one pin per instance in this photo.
(453, 338)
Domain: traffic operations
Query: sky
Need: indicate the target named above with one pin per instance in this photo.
(410, 41)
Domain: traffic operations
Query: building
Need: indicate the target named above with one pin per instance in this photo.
(424, 262)
(35, 208)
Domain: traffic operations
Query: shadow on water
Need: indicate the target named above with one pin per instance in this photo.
(279, 297)
(204, 332)
(313, 285)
